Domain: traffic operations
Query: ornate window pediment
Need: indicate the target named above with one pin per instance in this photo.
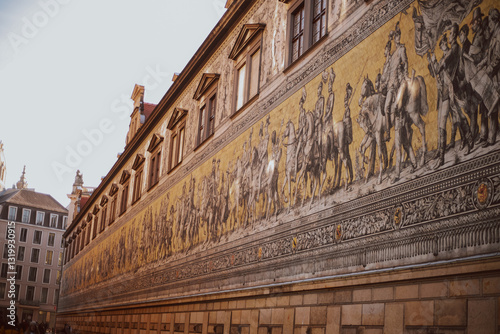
(207, 79)
(113, 190)
(155, 141)
(125, 176)
(89, 216)
(139, 160)
(104, 200)
(247, 33)
(177, 116)
(96, 209)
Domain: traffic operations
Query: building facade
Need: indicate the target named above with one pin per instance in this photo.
(34, 224)
(319, 166)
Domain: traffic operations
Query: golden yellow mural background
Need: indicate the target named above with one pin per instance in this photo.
(367, 58)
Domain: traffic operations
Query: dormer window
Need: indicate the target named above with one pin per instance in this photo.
(177, 126)
(246, 53)
(206, 94)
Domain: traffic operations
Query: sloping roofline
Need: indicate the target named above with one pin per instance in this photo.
(216, 37)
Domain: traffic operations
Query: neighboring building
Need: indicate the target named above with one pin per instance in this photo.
(3, 168)
(40, 222)
(261, 194)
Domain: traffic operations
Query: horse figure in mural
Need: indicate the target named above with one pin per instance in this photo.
(290, 166)
(371, 119)
(308, 164)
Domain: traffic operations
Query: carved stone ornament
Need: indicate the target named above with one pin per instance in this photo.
(482, 193)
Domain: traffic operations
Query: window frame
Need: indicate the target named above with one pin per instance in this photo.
(206, 115)
(45, 271)
(308, 37)
(245, 59)
(19, 272)
(154, 168)
(138, 168)
(9, 217)
(19, 253)
(177, 149)
(53, 237)
(42, 295)
(52, 217)
(37, 257)
(49, 256)
(23, 234)
(125, 191)
(35, 233)
(4, 270)
(29, 216)
(32, 295)
(30, 272)
(124, 197)
(42, 214)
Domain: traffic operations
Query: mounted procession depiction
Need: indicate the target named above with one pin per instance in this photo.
(268, 173)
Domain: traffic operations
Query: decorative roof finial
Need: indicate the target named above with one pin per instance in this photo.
(22, 184)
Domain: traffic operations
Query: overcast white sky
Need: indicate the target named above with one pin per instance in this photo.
(67, 70)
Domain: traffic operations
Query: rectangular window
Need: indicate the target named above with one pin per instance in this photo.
(177, 145)
(103, 218)
(23, 235)
(59, 260)
(247, 81)
(240, 91)
(65, 222)
(6, 251)
(298, 32)
(319, 20)
(43, 296)
(37, 237)
(48, 257)
(307, 26)
(201, 128)
(123, 205)
(5, 270)
(137, 185)
(154, 168)
(112, 210)
(30, 293)
(40, 217)
(53, 220)
(52, 239)
(94, 227)
(58, 277)
(26, 215)
(32, 274)
(20, 253)
(207, 118)
(12, 213)
(35, 255)
(46, 276)
(88, 234)
(212, 104)
(3, 286)
(19, 272)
